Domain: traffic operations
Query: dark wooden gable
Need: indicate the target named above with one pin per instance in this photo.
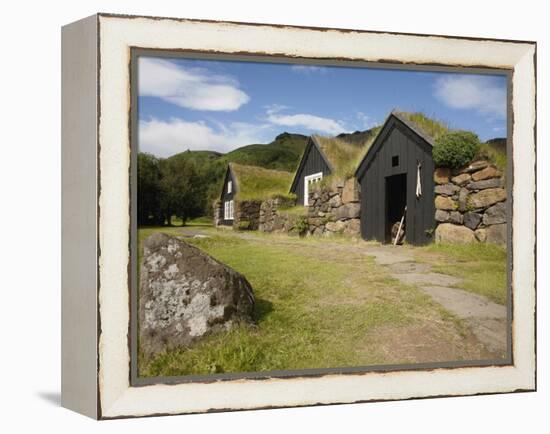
(225, 196)
(397, 150)
(313, 161)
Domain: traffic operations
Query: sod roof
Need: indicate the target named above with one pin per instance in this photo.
(257, 183)
(428, 128)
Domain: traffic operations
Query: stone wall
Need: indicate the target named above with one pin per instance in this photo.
(246, 215)
(470, 204)
(273, 217)
(335, 209)
(218, 213)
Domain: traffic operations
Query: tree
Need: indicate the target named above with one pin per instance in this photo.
(182, 191)
(148, 190)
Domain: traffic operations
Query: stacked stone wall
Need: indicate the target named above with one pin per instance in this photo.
(335, 209)
(246, 215)
(470, 204)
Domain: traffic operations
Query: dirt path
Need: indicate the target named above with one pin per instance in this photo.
(486, 320)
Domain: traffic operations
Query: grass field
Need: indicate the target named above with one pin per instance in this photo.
(482, 267)
(319, 304)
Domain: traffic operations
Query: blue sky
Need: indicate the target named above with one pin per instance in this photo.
(222, 105)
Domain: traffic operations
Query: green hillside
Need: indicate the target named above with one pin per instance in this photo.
(199, 157)
(283, 153)
(359, 138)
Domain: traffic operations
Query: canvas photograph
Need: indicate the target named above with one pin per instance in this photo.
(295, 218)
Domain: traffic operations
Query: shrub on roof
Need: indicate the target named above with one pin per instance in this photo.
(455, 149)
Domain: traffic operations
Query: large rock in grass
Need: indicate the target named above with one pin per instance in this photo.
(185, 294)
(454, 234)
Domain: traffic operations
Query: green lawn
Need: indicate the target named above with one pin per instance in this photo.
(318, 305)
(481, 266)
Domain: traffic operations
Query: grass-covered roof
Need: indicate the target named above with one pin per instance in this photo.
(492, 150)
(342, 155)
(427, 126)
(257, 183)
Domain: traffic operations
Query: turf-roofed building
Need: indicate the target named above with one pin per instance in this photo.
(244, 189)
(323, 157)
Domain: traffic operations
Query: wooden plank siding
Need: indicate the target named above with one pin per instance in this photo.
(312, 162)
(396, 139)
(225, 196)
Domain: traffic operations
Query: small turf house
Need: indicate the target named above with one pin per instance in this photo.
(396, 175)
(323, 157)
(244, 189)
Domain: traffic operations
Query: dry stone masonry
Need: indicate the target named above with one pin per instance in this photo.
(470, 204)
(335, 209)
(185, 294)
(218, 213)
(247, 214)
(273, 217)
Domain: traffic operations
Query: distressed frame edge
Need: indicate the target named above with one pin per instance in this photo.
(79, 220)
(529, 386)
(135, 380)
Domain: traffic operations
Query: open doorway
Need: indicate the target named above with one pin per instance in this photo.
(396, 201)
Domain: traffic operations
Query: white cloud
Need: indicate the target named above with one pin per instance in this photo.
(191, 88)
(365, 121)
(275, 108)
(316, 124)
(165, 138)
(472, 92)
(310, 122)
(308, 69)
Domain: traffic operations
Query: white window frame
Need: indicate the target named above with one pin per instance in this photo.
(228, 210)
(229, 186)
(310, 179)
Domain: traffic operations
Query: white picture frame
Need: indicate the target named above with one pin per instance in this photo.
(96, 302)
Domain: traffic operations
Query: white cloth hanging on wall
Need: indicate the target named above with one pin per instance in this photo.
(418, 181)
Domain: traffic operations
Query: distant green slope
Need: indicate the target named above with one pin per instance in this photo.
(198, 157)
(359, 138)
(283, 153)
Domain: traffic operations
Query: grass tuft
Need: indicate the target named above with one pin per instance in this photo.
(495, 154)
